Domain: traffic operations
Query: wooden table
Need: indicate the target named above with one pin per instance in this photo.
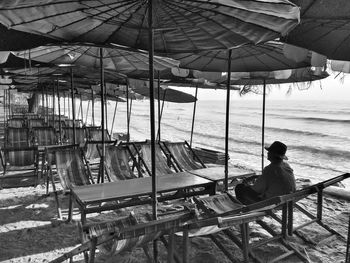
(136, 192)
(217, 173)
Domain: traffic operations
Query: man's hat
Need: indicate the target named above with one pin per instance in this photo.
(279, 149)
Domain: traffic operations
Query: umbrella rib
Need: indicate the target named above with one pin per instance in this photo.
(90, 16)
(104, 21)
(173, 4)
(216, 12)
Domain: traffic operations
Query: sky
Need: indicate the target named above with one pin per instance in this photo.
(331, 88)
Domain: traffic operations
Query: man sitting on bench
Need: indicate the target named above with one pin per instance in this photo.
(276, 179)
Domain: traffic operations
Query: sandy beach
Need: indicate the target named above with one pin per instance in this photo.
(31, 232)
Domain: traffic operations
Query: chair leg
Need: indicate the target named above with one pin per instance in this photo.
(171, 248)
(186, 247)
(93, 249)
(56, 196)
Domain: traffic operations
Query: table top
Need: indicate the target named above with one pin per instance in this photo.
(217, 173)
(136, 187)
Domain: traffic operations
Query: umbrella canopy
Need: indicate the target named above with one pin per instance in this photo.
(12, 40)
(179, 25)
(324, 28)
(81, 75)
(262, 57)
(120, 60)
(166, 94)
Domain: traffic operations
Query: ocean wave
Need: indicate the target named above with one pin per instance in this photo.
(315, 119)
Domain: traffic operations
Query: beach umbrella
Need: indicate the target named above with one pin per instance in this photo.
(120, 59)
(262, 57)
(324, 28)
(179, 25)
(12, 40)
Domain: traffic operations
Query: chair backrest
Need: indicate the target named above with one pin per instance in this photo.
(15, 123)
(56, 124)
(69, 123)
(79, 132)
(180, 151)
(117, 165)
(95, 134)
(70, 167)
(35, 123)
(44, 136)
(23, 156)
(17, 137)
(160, 161)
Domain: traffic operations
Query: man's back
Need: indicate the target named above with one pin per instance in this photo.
(277, 179)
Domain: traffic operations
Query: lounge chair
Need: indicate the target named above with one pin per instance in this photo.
(143, 150)
(17, 137)
(228, 209)
(44, 136)
(80, 135)
(299, 195)
(94, 133)
(124, 234)
(20, 163)
(183, 155)
(70, 166)
(15, 123)
(117, 163)
(39, 122)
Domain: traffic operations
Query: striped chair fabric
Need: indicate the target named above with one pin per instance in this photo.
(182, 156)
(117, 163)
(17, 137)
(80, 135)
(95, 134)
(161, 162)
(71, 168)
(20, 157)
(35, 123)
(44, 136)
(15, 123)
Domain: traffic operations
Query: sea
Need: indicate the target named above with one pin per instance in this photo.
(317, 133)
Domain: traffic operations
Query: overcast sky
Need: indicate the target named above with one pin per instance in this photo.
(330, 88)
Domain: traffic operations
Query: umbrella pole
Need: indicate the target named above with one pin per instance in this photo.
(161, 113)
(69, 115)
(59, 111)
(115, 112)
(159, 116)
(47, 103)
(194, 115)
(93, 107)
(87, 111)
(53, 102)
(106, 109)
(129, 118)
(227, 116)
(73, 103)
(152, 119)
(79, 110)
(263, 127)
(64, 104)
(102, 168)
(127, 113)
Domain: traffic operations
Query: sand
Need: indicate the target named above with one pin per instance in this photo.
(31, 232)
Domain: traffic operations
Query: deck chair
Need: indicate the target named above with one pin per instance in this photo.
(143, 150)
(44, 136)
(299, 195)
(117, 163)
(15, 123)
(226, 205)
(95, 134)
(17, 137)
(39, 122)
(20, 163)
(68, 135)
(125, 234)
(70, 167)
(183, 155)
